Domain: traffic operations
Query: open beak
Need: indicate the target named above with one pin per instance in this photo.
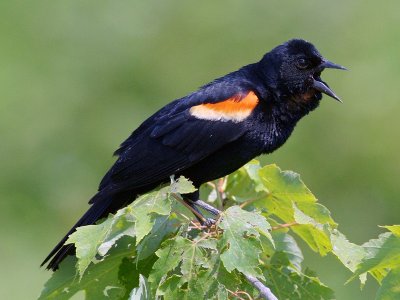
(330, 65)
(321, 86)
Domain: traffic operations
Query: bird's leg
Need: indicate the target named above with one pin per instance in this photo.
(207, 207)
(199, 216)
(203, 221)
(193, 201)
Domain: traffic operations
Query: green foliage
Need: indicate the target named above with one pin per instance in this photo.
(149, 249)
(241, 240)
(101, 280)
(382, 255)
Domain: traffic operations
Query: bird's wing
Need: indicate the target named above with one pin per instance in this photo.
(177, 137)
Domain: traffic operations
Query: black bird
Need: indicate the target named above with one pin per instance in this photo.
(213, 131)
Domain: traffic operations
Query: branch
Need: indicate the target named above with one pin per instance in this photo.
(265, 292)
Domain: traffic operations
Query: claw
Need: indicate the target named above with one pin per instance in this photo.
(209, 222)
(195, 205)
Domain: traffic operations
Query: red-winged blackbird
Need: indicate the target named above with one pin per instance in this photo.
(213, 131)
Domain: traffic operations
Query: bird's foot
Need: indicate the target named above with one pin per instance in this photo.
(208, 222)
(195, 205)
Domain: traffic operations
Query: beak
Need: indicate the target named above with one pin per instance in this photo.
(323, 88)
(330, 65)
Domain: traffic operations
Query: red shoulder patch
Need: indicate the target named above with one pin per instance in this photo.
(234, 109)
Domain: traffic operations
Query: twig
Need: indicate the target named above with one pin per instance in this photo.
(222, 183)
(265, 292)
(196, 226)
(237, 295)
(280, 226)
(210, 183)
(219, 189)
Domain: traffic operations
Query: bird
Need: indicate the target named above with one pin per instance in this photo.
(213, 131)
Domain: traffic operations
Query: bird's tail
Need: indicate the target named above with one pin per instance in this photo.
(103, 204)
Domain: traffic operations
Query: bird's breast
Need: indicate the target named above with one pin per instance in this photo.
(268, 133)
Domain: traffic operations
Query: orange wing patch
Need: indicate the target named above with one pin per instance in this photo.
(234, 109)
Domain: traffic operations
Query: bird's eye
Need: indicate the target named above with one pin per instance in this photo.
(302, 63)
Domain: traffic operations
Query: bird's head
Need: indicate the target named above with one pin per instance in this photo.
(297, 66)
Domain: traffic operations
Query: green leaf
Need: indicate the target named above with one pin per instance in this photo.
(192, 257)
(286, 244)
(199, 269)
(182, 186)
(316, 235)
(348, 253)
(143, 213)
(230, 280)
(169, 258)
(196, 275)
(121, 225)
(240, 237)
(89, 239)
(163, 227)
(99, 282)
(245, 184)
(130, 271)
(202, 285)
(315, 238)
(142, 292)
(390, 288)
(286, 189)
(222, 293)
(170, 288)
(288, 284)
(147, 208)
(382, 254)
(395, 229)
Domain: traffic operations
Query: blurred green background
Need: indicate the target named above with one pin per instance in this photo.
(76, 77)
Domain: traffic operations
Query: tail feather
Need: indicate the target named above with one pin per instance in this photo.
(103, 205)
